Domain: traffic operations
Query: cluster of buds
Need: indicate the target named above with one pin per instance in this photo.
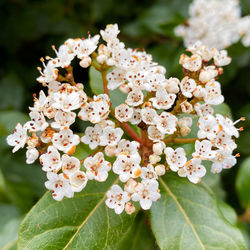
(160, 109)
(217, 23)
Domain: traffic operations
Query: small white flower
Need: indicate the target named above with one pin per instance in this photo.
(199, 92)
(208, 73)
(224, 141)
(70, 165)
(208, 127)
(63, 120)
(192, 63)
(97, 167)
(49, 73)
(92, 136)
(123, 112)
(187, 85)
(127, 166)
(84, 112)
(135, 97)
(37, 123)
(199, 48)
(185, 122)
(18, 138)
(40, 103)
(203, 109)
(155, 134)
(203, 150)
(221, 58)
(78, 181)
(158, 147)
(136, 79)
(175, 158)
(186, 107)
(160, 170)
(116, 78)
(223, 160)
(154, 81)
(110, 32)
(193, 170)
(111, 136)
(116, 198)
(166, 123)
(146, 192)
(64, 56)
(136, 117)
(128, 147)
(163, 100)
(148, 115)
(59, 186)
(31, 155)
(148, 173)
(51, 161)
(213, 95)
(65, 140)
(172, 85)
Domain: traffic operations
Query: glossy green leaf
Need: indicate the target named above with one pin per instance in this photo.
(228, 212)
(243, 183)
(222, 109)
(82, 222)
(187, 217)
(116, 96)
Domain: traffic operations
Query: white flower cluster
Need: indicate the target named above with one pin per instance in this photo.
(217, 23)
(161, 108)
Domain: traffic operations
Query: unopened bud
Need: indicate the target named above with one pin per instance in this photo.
(101, 59)
(85, 62)
(154, 158)
(185, 131)
(110, 150)
(158, 148)
(186, 107)
(130, 186)
(160, 170)
(129, 208)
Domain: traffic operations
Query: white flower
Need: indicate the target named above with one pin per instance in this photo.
(166, 123)
(213, 95)
(64, 56)
(199, 92)
(187, 85)
(203, 109)
(65, 140)
(172, 85)
(111, 136)
(116, 198)
(208, 73)
(160, 170)
(192, 63)
(158, 147)
(199, 48)
(136, 117)
(70, 165)
(223, 160)
(40, 103)
(84, 112)
(123, 112)
(193, 170)
(146, 192)
(63, 120)
(135, 97)
(116, 78)
(78, 181)
(59, 186)
(49, 73)
(224, 141)
(154, 81)
(155, 134)
(148, 115)
(31, 155)
(97, 167)
(51, 161)
(148, 173)
(110, 32)
(18, 138)
(186, 107)
(163, 100)
(83, 48)
(92, 136)
(128, 147)
(203, 150)
(175, 158)
(227, 125)
(37, 123)
(208, 127)
(127, 166)
(221, 58)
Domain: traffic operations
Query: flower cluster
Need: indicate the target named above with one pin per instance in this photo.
(161, 109)
(217, 23)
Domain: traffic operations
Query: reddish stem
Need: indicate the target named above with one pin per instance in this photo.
(131, 132)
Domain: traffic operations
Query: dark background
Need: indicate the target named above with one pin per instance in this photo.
(29, 28)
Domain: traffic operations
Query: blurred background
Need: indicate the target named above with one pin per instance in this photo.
(30, 27)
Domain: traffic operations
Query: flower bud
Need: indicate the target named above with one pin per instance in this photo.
(154, 158)
(185, 122)
(130, 186)
(186, 107)
(185, 131)
(129, 208)
(110, 151)
(158, 148)
(160, 170)
(31, 155)
(172, 84)
(101, 59)
(85, 62)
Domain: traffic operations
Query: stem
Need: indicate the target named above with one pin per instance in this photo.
(180, 140)
(99, 149)
(105, 82)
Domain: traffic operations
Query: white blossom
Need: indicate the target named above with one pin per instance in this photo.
(163, 100)
(92, 136)
(175, 158)
(166, 123)
(123, 112)
(111, 136)
(51, 161)
(78, 181)
(31, 155)
(70, 165)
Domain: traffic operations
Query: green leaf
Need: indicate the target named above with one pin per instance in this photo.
(116, 96)
(187, 217)
(243, 184)
(140, 236)
(9, 223)
(222, 109)
(82, 222)
(228, 212)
